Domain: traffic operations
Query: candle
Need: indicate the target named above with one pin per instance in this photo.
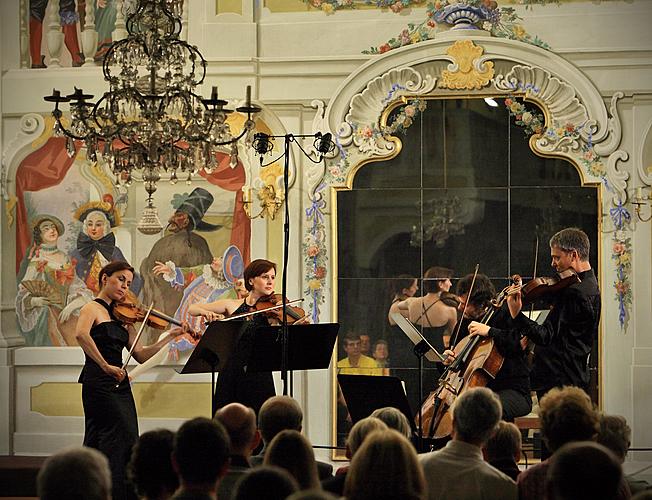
(639, 194)
(248, 95)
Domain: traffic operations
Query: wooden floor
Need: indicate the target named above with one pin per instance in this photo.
(18, 476)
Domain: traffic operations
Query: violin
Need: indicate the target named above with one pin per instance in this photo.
(539, 287)
(266, 305)
(129, 312)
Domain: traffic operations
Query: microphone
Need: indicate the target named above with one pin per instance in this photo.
(325, 145)
(261, 143)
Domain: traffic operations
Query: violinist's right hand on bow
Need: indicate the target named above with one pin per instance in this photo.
(210, 316)
(117, 373)
(449, 357)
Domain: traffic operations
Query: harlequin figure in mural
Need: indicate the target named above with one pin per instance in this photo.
(183, 246)
(50, 294)
(96, 245)
(221, 279)
(69, 19)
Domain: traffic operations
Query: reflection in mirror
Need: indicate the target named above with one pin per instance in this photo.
(465, 189)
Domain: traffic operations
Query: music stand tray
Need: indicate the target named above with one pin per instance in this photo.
(365, 393)
(310, 347)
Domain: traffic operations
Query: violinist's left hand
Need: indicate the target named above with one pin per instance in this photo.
(481, 329)
(180, 330)
(515, 301)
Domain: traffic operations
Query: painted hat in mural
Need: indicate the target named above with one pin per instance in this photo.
(196, 205)
(232, 264)
(106, 206)
(36, 222)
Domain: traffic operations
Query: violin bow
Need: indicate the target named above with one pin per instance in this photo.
(534, 272)
(140, 332)
(245, 315)
(466, 304)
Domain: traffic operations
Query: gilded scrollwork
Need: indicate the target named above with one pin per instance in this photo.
(468, 70)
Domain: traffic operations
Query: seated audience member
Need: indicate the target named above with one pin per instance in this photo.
(616, 435)
(365, 344)
(566, 416)
(269, 483)
(357, 435)
(75, 473)
(200, 457)
(385, 467)
(355, 362)
(583, 470)
(277, 414)
(381, 356)
(394, 419)
(239, 422)
(150, 467)
(458, 470)
(503, 450)
(292, 451)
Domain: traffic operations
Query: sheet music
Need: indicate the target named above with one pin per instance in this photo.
(415, 336)
(538, 316)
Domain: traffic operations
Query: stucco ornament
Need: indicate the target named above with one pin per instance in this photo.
(467, 70)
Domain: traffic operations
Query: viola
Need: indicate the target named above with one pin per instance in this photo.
(129, 312)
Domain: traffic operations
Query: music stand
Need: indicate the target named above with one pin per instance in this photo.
(310, 347)
(213, 351)
(422, 348)
(365, 393)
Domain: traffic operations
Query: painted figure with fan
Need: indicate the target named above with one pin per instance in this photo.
(50, 294)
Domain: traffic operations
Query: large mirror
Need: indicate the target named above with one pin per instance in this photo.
(465, 189)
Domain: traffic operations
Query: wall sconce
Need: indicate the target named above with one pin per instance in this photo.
(641, 198)
(270, 201)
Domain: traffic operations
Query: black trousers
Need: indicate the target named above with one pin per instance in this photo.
(515, 404)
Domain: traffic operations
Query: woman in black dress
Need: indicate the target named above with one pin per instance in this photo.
(111, 423)
(234, 383)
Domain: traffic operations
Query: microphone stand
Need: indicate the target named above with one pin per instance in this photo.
(323, 145)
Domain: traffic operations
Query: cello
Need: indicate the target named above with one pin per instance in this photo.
(476, 362)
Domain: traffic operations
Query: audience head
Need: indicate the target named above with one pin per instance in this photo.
(567, 415)
(271, 483)
(150, 468)
(505, 443)
(385, 467)
(394, 419)
(239, 422)
(201, 453)
(615, 434)
(351, 345)
(277, 414)
(292, 451)
(88, 467)
(360, 430)
(381, 351)
(476, 414)
(437, 279)
(583, 470)
(365, 344)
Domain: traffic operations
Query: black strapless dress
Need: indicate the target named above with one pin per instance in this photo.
(237, 385)
(111, 422)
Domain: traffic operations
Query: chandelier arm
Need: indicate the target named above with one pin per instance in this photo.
(273, 161)
(231, 141)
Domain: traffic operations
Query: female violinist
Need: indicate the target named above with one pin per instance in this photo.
(111, 423)
(235, 384)
(512, 382)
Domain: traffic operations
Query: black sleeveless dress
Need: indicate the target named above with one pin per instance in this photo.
(237, 385)
(111, 422)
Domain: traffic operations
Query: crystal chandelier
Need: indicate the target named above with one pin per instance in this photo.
(442, 219)
(151, 120)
